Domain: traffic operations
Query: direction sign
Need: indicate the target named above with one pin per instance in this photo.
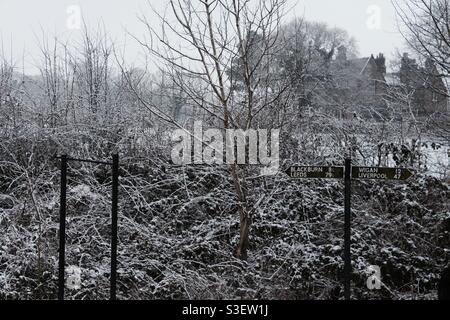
(303, 172)
(379, 173)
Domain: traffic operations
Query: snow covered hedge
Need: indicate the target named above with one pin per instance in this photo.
(178, 228)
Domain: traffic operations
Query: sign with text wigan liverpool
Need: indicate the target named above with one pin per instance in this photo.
(379, 173)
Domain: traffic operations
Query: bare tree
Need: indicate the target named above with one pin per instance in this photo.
(219, 54)
(7, 105)
(425, 25)
(57, 82)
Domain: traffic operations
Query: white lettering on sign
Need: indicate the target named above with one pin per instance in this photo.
(368, 170)
(381, 173)
(372, 175)
(307, 169)
(302, 172)
(298, 173)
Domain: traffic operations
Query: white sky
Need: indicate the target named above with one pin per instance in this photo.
(21, 22)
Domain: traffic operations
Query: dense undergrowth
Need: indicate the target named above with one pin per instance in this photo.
(179, 226)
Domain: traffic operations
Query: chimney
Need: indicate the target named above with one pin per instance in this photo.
(380, 60)
(342, 54)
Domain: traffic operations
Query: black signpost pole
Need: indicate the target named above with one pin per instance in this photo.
(115, 194)
(62, 227)
(347, 229)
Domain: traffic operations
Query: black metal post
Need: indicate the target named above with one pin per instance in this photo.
(115, 196)
(62, 227)
(347, 229)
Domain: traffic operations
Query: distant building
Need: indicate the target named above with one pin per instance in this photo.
(365, 82)
(361, 80)
(429, 92)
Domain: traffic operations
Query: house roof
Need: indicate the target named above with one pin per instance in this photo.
(352, 66)
(360, 64)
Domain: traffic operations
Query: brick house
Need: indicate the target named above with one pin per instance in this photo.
(358, 82)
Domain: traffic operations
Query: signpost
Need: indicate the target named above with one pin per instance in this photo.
(358, 173)
(347, 230)
(62, 228)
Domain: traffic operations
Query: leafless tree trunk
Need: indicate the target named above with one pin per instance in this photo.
(205, 48)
